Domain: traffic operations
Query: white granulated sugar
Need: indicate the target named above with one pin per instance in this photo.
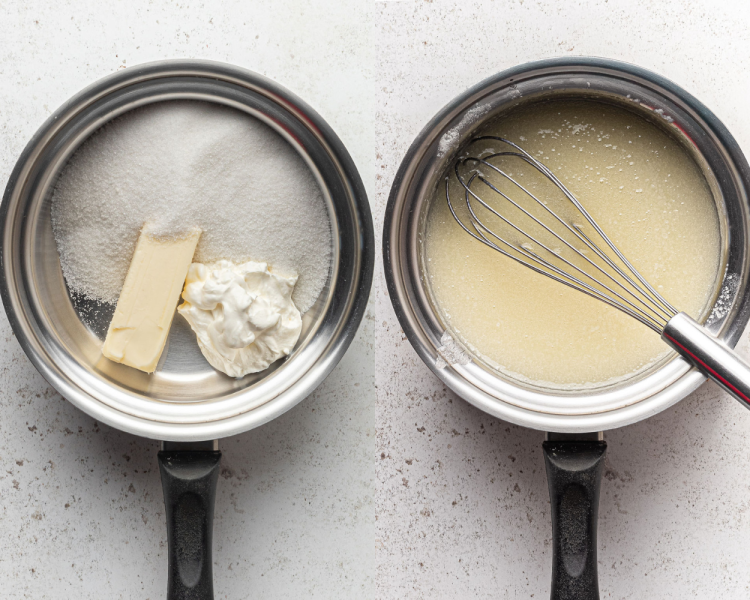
(176, 165)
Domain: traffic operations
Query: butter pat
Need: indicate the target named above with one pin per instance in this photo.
(140, 325)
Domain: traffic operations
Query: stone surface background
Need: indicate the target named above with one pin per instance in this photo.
(382, 484)
(462, 501)
(81, 509)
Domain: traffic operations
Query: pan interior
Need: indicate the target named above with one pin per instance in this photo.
(76, 325)
(541, 346)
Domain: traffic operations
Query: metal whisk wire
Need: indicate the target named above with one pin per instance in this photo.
(625, 288)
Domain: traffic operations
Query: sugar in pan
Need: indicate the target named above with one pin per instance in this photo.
(182, 164)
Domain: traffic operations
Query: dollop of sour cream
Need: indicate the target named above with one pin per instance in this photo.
(242, 314)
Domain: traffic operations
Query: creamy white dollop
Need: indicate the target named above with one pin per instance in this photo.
(243, 315)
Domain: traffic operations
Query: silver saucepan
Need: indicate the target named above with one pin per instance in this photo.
(574, 449)
(186, 403)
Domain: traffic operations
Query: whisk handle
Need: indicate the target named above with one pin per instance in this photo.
(710, 355)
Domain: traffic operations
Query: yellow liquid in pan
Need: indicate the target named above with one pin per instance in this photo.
(646, 193)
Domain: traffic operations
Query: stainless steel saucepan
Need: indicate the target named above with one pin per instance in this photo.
(186, 403)
(574, 450)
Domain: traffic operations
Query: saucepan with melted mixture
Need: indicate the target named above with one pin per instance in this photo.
(666, 181)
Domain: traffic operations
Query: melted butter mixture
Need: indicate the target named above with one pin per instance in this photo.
(646, 193)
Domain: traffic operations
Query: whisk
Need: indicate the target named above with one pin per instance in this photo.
(568, 246)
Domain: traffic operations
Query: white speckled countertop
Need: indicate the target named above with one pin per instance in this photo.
(444, 502)
(81, 509)
(462, 501)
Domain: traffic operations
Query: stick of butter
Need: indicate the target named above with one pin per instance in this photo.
(140, 325)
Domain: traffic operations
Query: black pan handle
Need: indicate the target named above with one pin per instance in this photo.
(574, 474)
(189, 482)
